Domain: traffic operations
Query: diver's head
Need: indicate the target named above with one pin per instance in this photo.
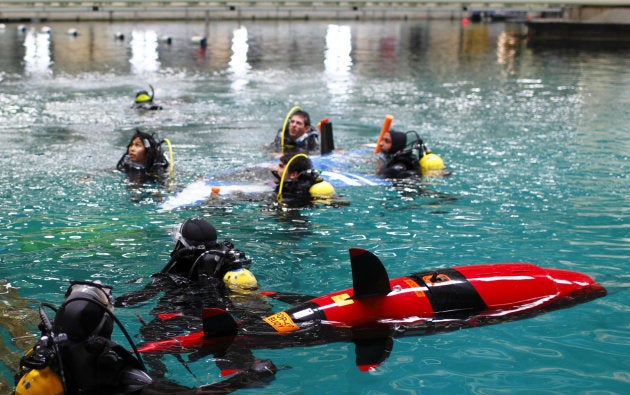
(143, 149)
(143, 97)
(240, 280)
(194, 233)
(299, 124)
(87, 310)
(292, 164)
(393, 141)
(137, 151)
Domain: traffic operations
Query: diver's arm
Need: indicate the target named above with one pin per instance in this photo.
(261, 372)
(258, 374)
(148, 292)
(395, 170)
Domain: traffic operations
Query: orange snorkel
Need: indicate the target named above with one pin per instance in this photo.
(387, 123)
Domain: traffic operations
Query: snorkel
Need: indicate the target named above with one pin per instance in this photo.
(285, 126)
(284, 173)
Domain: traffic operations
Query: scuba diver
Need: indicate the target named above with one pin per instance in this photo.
(297, 183)
(197, 256)
(297, 133)
(144, 101)
(396, 160)
(197, 262)
(201, 273)
(144, 159)
(75, 354)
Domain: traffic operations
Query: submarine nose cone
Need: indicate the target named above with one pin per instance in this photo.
(576, 285)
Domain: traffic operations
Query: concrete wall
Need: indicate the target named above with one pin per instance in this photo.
(591, 14)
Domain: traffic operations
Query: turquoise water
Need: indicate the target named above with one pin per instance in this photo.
(537, 140)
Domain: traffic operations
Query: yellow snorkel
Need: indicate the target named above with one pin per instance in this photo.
(284, 173)
(171, 165)
(284, 125)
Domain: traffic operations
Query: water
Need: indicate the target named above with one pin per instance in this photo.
(537, 140)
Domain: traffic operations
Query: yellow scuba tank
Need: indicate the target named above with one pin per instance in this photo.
(322, 190)
(240, 280)
(431, 164)
(39, 382)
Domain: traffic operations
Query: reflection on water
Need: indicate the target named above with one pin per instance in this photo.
(144, 54)
(337, 59)
(238, 65)
(37, 55)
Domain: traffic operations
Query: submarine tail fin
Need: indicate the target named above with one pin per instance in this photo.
(369, 277)
(217, 322)
(370, 353)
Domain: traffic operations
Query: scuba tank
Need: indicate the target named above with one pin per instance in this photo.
(430, 164)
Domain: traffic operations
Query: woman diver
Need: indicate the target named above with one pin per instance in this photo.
(75, 354)
(144, 159)
(397, 160)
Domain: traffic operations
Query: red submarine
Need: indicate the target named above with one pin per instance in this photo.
(378, 309)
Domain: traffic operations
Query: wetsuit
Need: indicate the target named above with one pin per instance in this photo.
(296, 192)
(146, 106)
(309, 141)
(139, 173)
(402, 164)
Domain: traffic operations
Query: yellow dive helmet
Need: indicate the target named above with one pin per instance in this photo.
(240, 280)
(431, 164)
(322, 190)
(39, 382)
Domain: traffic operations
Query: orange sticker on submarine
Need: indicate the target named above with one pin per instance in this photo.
(281, 322)
(414, 285)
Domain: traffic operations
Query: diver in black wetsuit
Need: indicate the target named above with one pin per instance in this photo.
(144, 101)
(297, 183)
(75, 354)
(396, 160)
(144, 159)
(299, 134)
(201, 273)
